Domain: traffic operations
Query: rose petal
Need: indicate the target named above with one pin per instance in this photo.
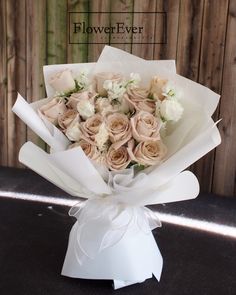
(53, 109)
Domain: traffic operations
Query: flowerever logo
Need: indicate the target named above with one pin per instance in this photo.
(117, 27)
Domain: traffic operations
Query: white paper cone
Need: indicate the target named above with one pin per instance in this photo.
(134, 258)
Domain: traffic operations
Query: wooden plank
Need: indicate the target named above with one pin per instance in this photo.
(210, 72)
(125, 6)
(3, 85)
(148, 21)
(189, 38)
(56, 31)
(36, 55)
(168, 50)
(77, 53)
(213, 43)
(224, 181)
(16, 71)
(98, 19)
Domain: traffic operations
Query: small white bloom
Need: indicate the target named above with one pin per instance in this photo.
(85, 108)
(170, 90)
(107, 85)
(170, 110)
(101, 137)
(115, 90)
(73, 131)
(103, 105)
(82, 79)
(135, 79)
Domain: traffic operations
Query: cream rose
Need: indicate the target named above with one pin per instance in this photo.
(119, 129)
(147, 153)
(100, 78)
(117, 159)
(73, 132)
(156, 88)
(53, 109)
(77, 97)
(67, 118)
(91, 127)
(138, 100)
(90, 150)
(145, 127)
(63, 81)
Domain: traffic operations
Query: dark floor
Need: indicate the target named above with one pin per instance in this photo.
(33, 241)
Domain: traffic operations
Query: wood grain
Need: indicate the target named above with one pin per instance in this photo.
(125, 6)
(77, 53)
(56, 31)
(3, 85)
(210, 72)
(36, 55)
(145, 51)
(16, 68)
(189, 38)
(168, 50)
(224, 181)
(98, 19)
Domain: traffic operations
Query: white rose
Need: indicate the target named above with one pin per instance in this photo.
(85, 108)
(63, 81)
(73, 131)
(171, 110)
(102, 136)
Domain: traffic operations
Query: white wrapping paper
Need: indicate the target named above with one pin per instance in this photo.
(112, 237)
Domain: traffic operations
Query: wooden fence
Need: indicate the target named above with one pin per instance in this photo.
(201, 37)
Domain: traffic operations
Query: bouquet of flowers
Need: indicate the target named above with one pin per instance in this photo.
(115, 122)
(120, 139)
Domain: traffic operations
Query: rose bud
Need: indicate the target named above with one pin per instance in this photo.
(63, 81)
